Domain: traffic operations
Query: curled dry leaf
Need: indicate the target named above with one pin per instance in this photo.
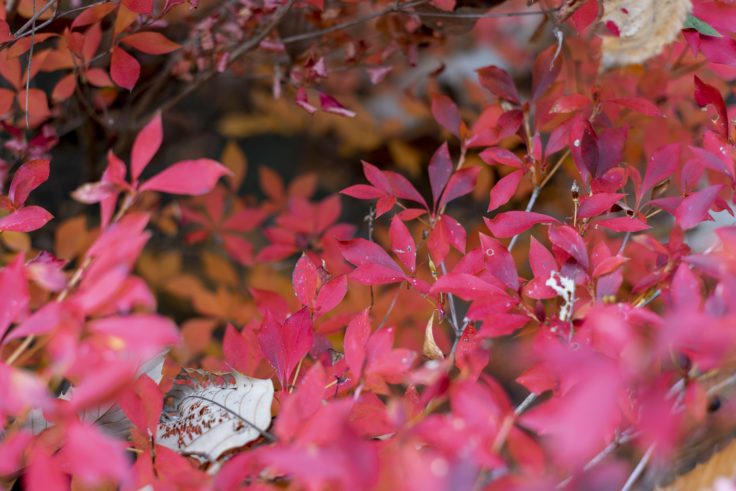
(644, 27)
(207, 413)
(430, 348)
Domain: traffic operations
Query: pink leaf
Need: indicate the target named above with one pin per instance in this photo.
(94, 456)
(377, 274)
(598, 203)
(440, 169)
(569, 240)
(499, 82)
(142, 404)
(303, 101)
(719, 49)
(546, 69)
(403, 189)
(191, 177)
(26, 219)
(363, 191)
(142, 335)
(445, 112)
(356, 337)
(584, 149)
(305, 280)
(362, 252)
(124, 69)
(708, 95)
(153, 43)
(662, 164)
(145, 146)
(609, 265)
(465, 286)
(638, 104)
(144, 7)
(622, 224)
(27, 178)
(511, 223)
(499, 155)
(461, 183)
(285, 345)
(504, 189)
(331, 294)
(694, 208)
(499, 262)
(402, 244)
(331, 105)
(13, 293)
(570, 103)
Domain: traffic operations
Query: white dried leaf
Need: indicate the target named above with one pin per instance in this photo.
(207, 414)
(645, 27)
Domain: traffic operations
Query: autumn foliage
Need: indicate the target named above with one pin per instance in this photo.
(533, 300)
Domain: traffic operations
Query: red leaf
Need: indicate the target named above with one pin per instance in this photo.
(598, 203)
(440, 169)
(94, 456)
(623, 224)
(470, 357)
(44, 471)
(142, 404)
(538, 378)
(13, 293)
(584, 149)
(570, 103)
(708, 95)
(377, 274)
(38, 105)
(609, 265)
(499, 262)
(331, 294)
(461, 183)
(403, 189)
(662, 164)
(91, 15)
(145, 146)
(638, 104)
(124, 69)
(446, 5)
(153, 43)
(569, 240)
(187, 177)
(542, 263)
(306, 280)
(363, 191)
(362, 252)
(499, 82)
(504, 189)
(331, 105)
(285, 345)
(11, 451)
(140, 6)
(445, 112)
(356, 337)
(546, 69)
(694, 208)
(718, 49)
(465, 286)
(511, 223)
(377, 177)
(26, 219)
(142, 335)
(502, 324)
(27, 178)
(402, 244)
(712, 162)
(499, 155)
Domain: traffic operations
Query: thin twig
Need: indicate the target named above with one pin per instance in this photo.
(453, 311)
(346, 25)
(525, 403)
(529, 206)
(391, 307)
(639, 468)
(250, 44)
(623, 244)
(470, 15)
(34, 18)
